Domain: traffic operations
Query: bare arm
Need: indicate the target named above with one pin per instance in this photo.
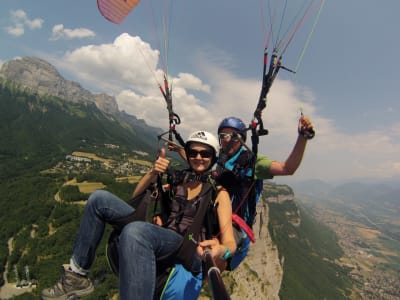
(176, 148)
(159, 167)
(226, 240)
(293, 161)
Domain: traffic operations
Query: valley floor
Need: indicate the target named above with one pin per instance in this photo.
(373, 264)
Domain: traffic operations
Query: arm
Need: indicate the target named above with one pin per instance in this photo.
(226, 240)
(159, 167)
(293, 161)
(176, 148)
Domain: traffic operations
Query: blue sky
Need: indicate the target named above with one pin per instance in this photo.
(347, 81)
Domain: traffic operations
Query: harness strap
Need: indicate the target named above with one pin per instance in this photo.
(243, 225)
(188, 246)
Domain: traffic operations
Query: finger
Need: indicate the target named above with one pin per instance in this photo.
(163, 153)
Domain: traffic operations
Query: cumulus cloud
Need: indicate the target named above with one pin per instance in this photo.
(128, 69)
(59, 32)
(20, 20)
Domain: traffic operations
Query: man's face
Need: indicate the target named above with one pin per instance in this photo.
(225, 137)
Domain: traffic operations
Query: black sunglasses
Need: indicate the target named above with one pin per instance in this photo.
(203, 153)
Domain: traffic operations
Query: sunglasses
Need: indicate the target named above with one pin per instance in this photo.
(203, 153)
(227, 136)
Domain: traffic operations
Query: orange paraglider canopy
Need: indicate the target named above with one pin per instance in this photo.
(116, 10)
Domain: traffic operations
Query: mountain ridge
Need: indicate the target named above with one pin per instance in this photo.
(41, 77)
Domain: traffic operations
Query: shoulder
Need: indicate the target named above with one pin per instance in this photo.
(221, 193)
(221, 189)
(263, 167)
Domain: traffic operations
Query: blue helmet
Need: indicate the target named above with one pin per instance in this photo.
(235, 123)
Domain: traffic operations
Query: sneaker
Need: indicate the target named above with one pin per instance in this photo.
(71, 284)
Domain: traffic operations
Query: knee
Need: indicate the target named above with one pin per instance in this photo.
(135, 231)
(97, 198)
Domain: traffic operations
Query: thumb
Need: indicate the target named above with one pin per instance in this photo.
(163, 153)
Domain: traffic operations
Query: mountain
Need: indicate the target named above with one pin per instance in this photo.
(43, 116)
(313, 187)
(38, 76)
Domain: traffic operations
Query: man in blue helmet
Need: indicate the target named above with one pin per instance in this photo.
(242, 174)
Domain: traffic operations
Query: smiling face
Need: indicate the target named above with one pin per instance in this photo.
(200, 157)
(225, 136)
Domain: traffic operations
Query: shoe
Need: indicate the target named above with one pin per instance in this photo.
(71, 284)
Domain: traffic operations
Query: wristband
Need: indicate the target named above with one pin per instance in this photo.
(227, 253)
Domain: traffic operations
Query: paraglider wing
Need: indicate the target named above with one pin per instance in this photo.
(116, 10)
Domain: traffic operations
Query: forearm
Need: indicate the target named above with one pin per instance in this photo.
(159, 167)
(146, 180)
(293, 161)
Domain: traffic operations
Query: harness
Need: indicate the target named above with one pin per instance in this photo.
(237, 176)
(200, 223)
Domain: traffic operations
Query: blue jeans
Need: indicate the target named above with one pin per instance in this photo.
(140, 244)
(102, 207)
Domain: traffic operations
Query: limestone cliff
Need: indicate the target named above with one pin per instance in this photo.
(259, 276)
(41, 77)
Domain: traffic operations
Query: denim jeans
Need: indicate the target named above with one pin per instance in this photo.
(102, 207)
(140, 243)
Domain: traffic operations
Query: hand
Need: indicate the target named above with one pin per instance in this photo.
(305, 127)
(213, 246)
(176, 148)
(157, 221)
(161, 164)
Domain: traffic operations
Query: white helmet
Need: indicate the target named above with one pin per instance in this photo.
(206, 138)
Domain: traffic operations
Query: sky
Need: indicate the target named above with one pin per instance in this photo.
(347, 80)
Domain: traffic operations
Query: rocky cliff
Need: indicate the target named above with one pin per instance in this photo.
(259, 276)
(41, 77)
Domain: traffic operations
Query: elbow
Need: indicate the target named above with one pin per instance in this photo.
(290, 170)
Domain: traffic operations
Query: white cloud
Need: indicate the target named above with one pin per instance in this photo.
(59, 32)
(190, 81)
(20, 20)
(127, 68)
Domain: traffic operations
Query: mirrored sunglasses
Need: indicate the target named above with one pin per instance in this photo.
(225, 136)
